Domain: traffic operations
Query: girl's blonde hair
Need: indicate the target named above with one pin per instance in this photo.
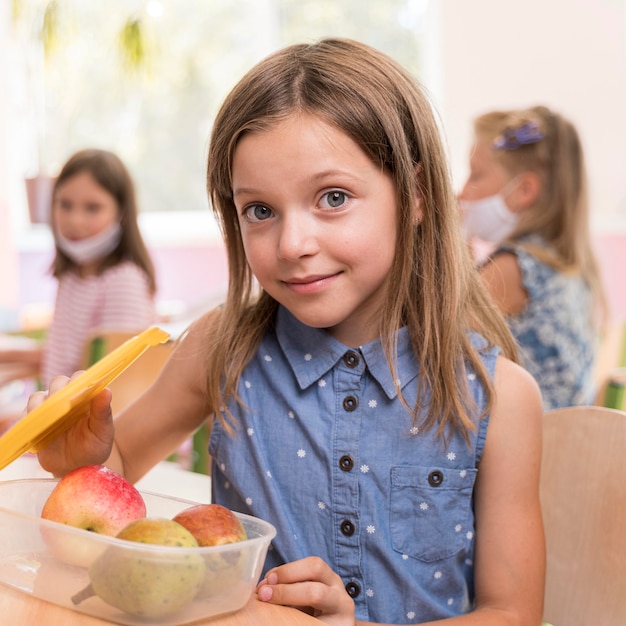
(107, 169)
(433, 288)
(561, 212)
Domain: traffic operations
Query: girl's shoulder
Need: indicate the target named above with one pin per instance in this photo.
(204, 328)
(125, 273)
(514, 382)
(197, 340)
(518, 409)
(531, 249)
(123, 268)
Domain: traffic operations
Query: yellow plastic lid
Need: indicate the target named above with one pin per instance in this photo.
(64, 408)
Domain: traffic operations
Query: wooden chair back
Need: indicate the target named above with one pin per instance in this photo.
(138, 376)
(583, 497)
(133, 381)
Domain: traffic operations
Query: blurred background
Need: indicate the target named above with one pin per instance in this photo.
(144, 78)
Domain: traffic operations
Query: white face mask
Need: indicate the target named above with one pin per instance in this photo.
(488, 219)
(93, 248)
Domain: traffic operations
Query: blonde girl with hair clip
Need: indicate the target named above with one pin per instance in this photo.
(527, 195)
(362, 387)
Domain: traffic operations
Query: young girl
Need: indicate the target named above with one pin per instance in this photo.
(527, 194)
(366, 400)
(106, 277)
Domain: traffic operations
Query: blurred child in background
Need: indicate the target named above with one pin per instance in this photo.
(106, 277)
(527, 195)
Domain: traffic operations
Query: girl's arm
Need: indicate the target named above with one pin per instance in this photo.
(146, 431)
(510, 550)
(503, 279)
(168, 413)
(26, 356)
(510, 554)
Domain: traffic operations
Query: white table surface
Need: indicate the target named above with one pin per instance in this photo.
(165, 478)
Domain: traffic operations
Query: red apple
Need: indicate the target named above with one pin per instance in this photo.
(93, 498)
(216, 525)
(212, 524)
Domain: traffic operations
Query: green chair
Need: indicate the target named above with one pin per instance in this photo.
(616, 379)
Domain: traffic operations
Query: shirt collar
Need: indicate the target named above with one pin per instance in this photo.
(312, 352)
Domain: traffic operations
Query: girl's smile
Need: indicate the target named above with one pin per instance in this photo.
(310, 284)
(318, 223)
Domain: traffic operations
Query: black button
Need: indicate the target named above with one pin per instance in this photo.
(435, 478)
(353, 589)
(350, 403)
(346, 463)
(351, 359)
(347, 528)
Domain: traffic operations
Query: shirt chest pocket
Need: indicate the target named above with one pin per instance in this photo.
(431, 514)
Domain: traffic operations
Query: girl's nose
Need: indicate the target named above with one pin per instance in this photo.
(72, 223)
(298, 237)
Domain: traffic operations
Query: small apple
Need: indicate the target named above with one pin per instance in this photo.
(212, 524)
(216, 525)
(143, 582)
(93, 498)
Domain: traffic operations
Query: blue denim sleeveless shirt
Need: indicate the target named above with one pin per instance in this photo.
(327, 453)
(554, 332)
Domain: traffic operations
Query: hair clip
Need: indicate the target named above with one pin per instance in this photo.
(513, 138)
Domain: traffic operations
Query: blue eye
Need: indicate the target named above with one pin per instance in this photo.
(335, 199)
(258, 213)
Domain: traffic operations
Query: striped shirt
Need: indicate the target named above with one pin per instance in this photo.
(119, 299)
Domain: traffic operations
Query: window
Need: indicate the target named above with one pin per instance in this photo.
(155, 105)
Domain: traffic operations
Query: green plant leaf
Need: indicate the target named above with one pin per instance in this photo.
(50, 27)
(132, 44)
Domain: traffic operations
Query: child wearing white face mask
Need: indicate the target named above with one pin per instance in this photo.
(106, 277)
(526, 196)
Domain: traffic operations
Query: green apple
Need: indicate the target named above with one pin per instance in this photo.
(146, 582)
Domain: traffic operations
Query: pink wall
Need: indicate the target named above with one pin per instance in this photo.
(8, 262)
(611, 253)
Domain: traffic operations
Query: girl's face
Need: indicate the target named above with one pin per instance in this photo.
(487, 177)
(318, 223)
(82, 208)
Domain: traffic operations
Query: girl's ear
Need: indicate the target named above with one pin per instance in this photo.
(527, 190)
(417, 217)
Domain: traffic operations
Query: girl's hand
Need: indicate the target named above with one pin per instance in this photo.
(88, 442)
(309, 584)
